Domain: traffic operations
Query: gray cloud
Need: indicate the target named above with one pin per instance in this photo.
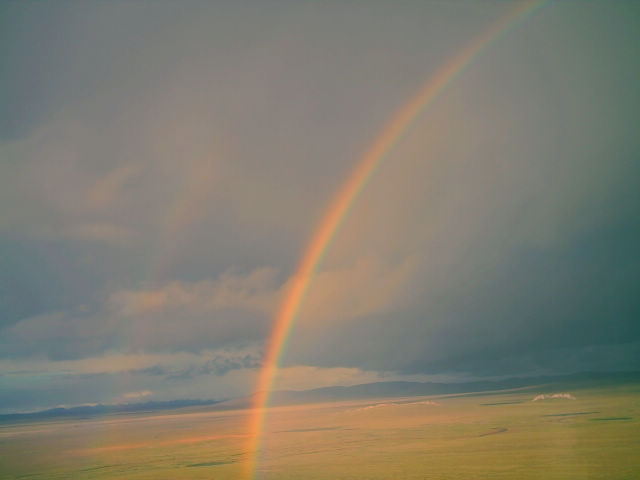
(232, 310)
(217, 366)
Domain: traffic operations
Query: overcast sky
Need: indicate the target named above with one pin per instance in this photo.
(163, 164)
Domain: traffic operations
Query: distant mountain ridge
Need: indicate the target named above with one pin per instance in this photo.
(542, 384)
(100, 409)
(410, 389)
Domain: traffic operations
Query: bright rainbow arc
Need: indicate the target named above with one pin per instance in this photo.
(342, 202)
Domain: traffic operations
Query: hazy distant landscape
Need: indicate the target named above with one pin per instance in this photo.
(589, 431)
(337, 393)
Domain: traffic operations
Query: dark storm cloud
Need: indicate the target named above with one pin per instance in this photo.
(513, 306)
(529, 251)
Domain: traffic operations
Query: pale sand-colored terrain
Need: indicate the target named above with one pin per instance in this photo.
(497, 436)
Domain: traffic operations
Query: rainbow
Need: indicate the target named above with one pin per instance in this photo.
(342, 202)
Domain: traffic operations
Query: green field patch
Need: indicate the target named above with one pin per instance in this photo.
(90, 469)
(495, 431)
(569, 414)
(501, 403)
(610, 419)
(210, 464)
(318, 429)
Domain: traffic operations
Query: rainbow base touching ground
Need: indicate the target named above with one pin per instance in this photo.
(343, 201)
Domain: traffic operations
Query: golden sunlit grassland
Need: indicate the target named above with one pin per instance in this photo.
(448, 437)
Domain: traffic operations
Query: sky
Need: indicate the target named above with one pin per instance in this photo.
(163, 167)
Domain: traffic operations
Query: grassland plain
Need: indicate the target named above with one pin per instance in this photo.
(490, 436)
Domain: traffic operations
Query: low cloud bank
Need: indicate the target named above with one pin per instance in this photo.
(552, 396)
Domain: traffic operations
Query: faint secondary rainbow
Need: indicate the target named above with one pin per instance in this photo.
(342, 202)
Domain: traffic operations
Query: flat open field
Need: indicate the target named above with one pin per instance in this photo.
(490, 436)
